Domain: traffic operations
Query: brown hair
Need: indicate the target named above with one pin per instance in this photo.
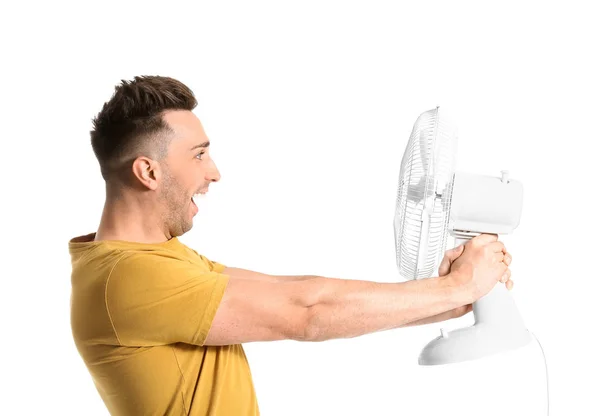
(130, 124)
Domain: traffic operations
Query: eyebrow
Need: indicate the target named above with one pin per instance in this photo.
(205, 144)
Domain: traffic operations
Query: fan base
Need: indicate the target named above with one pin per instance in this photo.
(474, 342)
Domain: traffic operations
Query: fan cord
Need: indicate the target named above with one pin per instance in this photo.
(547, 381)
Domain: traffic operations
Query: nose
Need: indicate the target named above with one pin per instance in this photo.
(213, 174)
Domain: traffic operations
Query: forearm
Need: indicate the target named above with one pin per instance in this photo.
(349, 308)
(239, 273)
(281, 279)
(444, 316)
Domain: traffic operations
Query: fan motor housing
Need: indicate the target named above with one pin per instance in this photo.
(485, 204)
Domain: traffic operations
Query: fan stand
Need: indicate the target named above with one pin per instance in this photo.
(498, 328)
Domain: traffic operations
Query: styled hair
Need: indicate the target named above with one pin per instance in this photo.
(131, 125)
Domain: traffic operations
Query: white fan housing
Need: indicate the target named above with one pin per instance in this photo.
(433, 202)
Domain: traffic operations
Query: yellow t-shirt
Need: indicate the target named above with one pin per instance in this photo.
(140, 314)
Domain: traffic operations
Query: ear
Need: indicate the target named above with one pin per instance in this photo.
(147, 172)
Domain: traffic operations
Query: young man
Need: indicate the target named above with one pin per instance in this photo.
(161, 327)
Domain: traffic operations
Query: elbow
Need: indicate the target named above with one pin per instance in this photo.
(310, 329)
(310, 326)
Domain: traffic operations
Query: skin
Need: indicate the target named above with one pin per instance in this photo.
(159, 206)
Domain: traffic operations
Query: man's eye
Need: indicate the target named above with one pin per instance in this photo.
(200, 154)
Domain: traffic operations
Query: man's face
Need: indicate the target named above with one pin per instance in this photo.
(187, 170)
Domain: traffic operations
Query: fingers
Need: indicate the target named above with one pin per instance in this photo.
(500, 254)
(503, 258)
(507, 259)
(506, 276)
(497, 247)
(485, 238)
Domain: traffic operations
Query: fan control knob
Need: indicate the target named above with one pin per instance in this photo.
(504, 176)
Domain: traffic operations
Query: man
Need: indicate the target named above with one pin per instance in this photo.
(160, 327)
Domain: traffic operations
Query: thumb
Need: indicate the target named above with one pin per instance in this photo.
(456, 252)
(449, 258)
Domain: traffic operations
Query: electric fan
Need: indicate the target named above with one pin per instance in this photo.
(434, 202)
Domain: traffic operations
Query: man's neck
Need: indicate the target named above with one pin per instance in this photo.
(128, 221)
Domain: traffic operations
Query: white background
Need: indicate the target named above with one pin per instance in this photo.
(308, 106)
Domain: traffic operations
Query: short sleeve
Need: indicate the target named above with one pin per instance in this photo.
(212, 265)
(216, 266)
(156, 300)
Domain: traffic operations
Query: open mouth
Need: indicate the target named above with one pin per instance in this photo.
(197, 197)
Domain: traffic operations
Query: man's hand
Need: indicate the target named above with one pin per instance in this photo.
(456, 252)
(444, 269)
(482, 262)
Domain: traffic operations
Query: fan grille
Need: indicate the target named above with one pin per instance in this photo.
(424, 196)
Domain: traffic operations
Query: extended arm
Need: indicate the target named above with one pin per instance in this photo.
(238, 273)
(313, 308)
(319, 308)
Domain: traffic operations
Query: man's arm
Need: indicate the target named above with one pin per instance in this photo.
(319, 308)
(238, 273)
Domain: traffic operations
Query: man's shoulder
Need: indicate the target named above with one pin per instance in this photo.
(148, 262)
